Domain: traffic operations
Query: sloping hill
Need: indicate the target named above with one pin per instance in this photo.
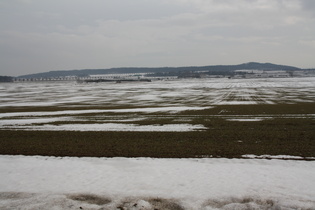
(215, 68)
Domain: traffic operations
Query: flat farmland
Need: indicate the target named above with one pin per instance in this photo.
(166, 119)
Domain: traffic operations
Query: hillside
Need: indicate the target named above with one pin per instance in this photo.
(215, 69)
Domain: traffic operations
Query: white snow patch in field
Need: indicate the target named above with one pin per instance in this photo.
(32, 121)
(278, 157)
(246, 120)
(113, 127)
(236, 102)
(191, 183)
(74, 112)
(124, 120)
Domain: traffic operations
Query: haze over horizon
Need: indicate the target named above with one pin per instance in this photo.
(39, 36)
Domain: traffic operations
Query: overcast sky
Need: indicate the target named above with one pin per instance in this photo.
(43, 35)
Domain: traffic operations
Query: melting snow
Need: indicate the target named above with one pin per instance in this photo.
(112, 127)
(34, 182)
(75, 112)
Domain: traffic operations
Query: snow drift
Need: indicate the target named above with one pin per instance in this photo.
(35, 182)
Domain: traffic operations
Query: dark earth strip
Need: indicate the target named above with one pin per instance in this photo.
(226, 139)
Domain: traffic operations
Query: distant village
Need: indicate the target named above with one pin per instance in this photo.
(272, 74)
(147, 77)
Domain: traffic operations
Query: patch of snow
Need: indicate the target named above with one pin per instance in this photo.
(288, 157)
(36, 182)
(235, 102)
(75, 112)
(124, 120)
(113, 127)
(246, 120)
(32, 121)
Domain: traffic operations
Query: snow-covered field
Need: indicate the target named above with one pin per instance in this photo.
(144, 183)
(32, 182)
(189, 92)
(155, 97)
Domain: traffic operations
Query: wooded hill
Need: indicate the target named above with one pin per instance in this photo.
(216, 69)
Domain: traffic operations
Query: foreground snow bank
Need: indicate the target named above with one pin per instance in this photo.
(143, 183)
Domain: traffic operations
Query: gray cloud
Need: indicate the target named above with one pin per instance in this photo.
(308, 4)
(38, 36)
